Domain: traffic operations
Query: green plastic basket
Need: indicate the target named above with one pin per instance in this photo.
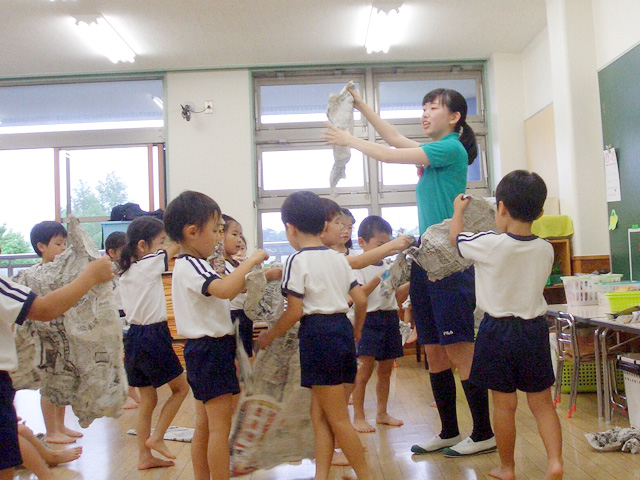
(619, 301)
(586, 378)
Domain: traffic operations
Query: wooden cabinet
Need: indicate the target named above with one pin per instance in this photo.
(554, 294)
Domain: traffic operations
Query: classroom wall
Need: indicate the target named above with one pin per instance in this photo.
(616, 28)
(506, 114)
(213, 153)
(536, 74)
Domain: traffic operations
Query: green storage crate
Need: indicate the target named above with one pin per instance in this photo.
(586, 378)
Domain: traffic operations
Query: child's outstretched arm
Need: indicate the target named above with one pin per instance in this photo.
(172, 250)
(360, 306)
(460, 204)
(291, 315)
(376, 254)
(234, 283)
(54, 304)
(371, 285)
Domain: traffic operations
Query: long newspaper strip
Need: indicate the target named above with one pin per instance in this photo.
(273, 425)
(76, 359)
(340, 115)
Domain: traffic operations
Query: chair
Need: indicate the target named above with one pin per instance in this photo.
(568, 348)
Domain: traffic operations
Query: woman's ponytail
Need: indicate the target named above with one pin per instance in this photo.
(468, 140)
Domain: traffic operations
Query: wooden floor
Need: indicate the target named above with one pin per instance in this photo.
(110, 454)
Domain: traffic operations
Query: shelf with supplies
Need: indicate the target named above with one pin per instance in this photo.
(554, 294)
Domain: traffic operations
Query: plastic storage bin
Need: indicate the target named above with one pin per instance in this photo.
(581, 289)
(608, 287)
(629, 363)
(619, 301)
(109, 227)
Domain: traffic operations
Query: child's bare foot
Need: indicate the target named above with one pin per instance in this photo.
(363, 427)
(434, 405)
(339, 459)
(554, 472)
(387, 419)
(503, 473)
(71, 433)
(59, 438)
(159, 446)
(56, 457)
(130, 404)
(153, 462)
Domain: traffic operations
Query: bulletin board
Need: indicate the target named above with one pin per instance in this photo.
(620, 105)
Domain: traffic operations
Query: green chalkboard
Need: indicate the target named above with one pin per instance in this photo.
(620, 104)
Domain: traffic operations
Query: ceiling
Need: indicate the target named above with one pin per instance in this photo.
(37, 39)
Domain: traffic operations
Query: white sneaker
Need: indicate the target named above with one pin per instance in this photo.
(435, 444)
(469, 447)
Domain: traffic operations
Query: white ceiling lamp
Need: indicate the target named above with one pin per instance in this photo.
(99, 33)
(383, 23)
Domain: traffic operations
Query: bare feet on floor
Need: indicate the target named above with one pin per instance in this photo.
(130, 404)
(554, 472)
(59, 438)
(363, 427)
(387, 419)
(153, 462)
(160, 447)
(339, 459)
(56, 457)
(502, 473)
(71, 433)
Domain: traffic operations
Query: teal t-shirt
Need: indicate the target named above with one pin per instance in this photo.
(442, 181)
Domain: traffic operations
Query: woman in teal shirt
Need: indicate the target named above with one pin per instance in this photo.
(442, 310)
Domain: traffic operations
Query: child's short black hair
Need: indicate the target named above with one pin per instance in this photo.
(43, 232)
(330, 208)
(303, 210)
(115, 240)
(347, 213)
(189, 208)
(228, 220)
(523, 193)
(373, 225)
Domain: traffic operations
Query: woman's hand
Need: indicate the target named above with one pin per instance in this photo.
(335, 136)
(357, 99)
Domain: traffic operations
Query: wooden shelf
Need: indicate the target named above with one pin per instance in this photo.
(554, 294)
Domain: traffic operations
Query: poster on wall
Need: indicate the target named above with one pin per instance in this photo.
(612, 175)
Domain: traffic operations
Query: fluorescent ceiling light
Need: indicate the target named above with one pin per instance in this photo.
(383, 23)
(158, 101)
(99, 33)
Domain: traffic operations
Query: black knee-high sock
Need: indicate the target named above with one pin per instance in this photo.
(478, 400)
(444, 393)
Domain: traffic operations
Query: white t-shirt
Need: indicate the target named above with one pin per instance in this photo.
(320, 276)
(376, 301)
(198, 313)
(141, 290)
(15, 302)
(510, 272)
(237, 302)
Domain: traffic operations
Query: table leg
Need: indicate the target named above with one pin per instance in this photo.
(604, 355)
(598, 364)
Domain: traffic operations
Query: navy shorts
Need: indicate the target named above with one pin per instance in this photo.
(10, 451)
(327, 350)
(211, 369)
(149, 358)
(381, 337)
(512, 354)
(245, 328)
(443, 310)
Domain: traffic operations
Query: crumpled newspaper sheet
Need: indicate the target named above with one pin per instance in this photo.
(75, 359)
(273, 424)
(435, 254)
(625, 439)
(340, 115)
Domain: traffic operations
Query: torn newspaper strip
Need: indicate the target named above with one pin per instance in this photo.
(76, 359)
(272, 425)
(340, 114)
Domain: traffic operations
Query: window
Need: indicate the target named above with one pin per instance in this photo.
(290, 115)
(79, 147)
